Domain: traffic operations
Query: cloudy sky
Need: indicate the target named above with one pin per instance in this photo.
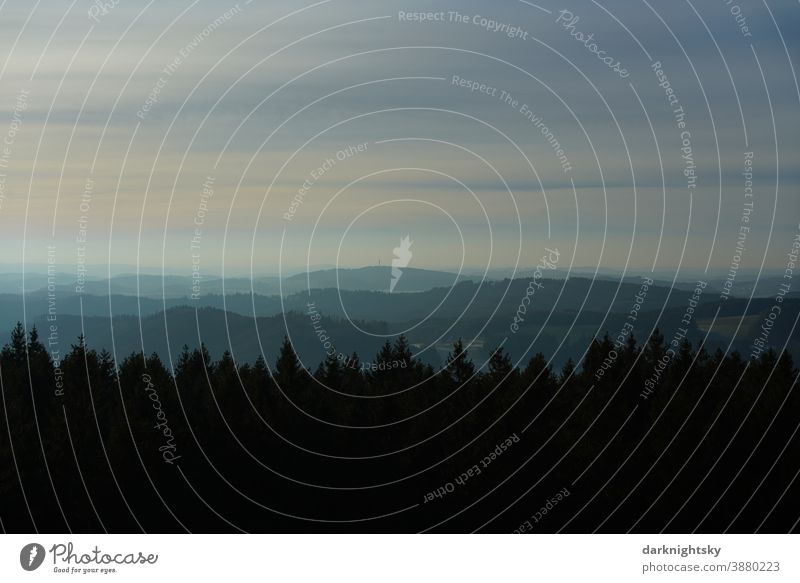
(273, 135)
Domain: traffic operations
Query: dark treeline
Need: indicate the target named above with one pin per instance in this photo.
(677, 440)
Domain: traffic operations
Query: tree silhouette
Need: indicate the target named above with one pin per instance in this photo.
(717, 434)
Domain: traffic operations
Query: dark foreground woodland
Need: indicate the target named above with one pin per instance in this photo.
(701, 442)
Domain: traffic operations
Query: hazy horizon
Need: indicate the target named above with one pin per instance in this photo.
(100, 272)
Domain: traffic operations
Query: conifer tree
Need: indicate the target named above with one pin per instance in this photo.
(458, 364)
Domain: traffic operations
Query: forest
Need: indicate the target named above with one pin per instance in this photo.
(90, 445)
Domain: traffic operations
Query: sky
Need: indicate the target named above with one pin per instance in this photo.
(231, 138)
